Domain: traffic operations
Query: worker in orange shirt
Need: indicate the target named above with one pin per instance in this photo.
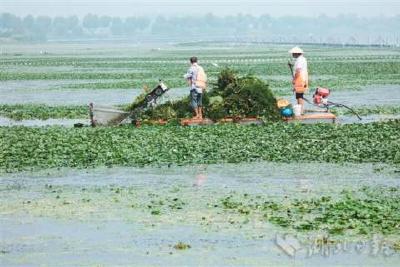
(300, 75)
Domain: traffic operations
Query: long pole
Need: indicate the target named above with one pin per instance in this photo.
(291, 72)
(291, 69)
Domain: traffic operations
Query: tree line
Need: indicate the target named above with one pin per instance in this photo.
(339, 29)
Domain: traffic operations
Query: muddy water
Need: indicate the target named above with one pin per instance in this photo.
(103, 216)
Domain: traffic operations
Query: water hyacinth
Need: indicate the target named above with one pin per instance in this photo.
(25, 148)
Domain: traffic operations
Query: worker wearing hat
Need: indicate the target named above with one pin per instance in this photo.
(300, 75)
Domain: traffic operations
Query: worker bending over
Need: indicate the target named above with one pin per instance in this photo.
(300, 75)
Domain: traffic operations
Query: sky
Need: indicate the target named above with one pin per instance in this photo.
(275, 8)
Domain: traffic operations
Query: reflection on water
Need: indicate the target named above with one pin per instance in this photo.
(200, 176)
(304, 185)
(200, 179)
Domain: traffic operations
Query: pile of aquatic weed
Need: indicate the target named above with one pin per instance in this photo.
(367, 211)
(24, 148)
(231, 96)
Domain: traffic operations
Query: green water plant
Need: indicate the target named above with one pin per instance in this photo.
(24, 148)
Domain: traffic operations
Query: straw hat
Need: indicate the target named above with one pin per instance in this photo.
(281, 103)
(296, 50)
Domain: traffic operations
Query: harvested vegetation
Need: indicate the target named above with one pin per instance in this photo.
(24, 148)
(231, 96)
(241, 97)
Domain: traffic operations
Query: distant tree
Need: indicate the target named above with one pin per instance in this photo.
(142, 23)
(117, 26)
(60, 26)
(264, 22)
(11, 23)
(211, 20)
(41, 28)
(130, 25)
(163, 26)
(340, 29)
(74, 28)
(91, 22)
(28, 23)
(104, 21)
(72, 22)
(244, 23)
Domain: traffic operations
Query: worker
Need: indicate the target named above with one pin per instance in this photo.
(300, 75)
(197, 81)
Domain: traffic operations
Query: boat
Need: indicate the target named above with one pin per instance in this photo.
(317, 117)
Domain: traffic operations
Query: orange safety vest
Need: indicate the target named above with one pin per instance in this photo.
(201, 79)
(300, 82)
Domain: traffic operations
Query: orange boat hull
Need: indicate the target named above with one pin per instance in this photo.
(196, 122)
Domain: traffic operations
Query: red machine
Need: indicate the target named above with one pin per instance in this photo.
(321, 96)
(320, 99)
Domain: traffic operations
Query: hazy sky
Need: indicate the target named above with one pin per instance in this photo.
(184, 7)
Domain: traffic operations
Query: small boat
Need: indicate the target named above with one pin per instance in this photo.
(250, 121)
(320, 113)
(242, 121)
(318, 117)
(206, 121)
(196, 122)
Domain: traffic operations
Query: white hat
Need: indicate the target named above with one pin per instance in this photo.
(296, 50)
